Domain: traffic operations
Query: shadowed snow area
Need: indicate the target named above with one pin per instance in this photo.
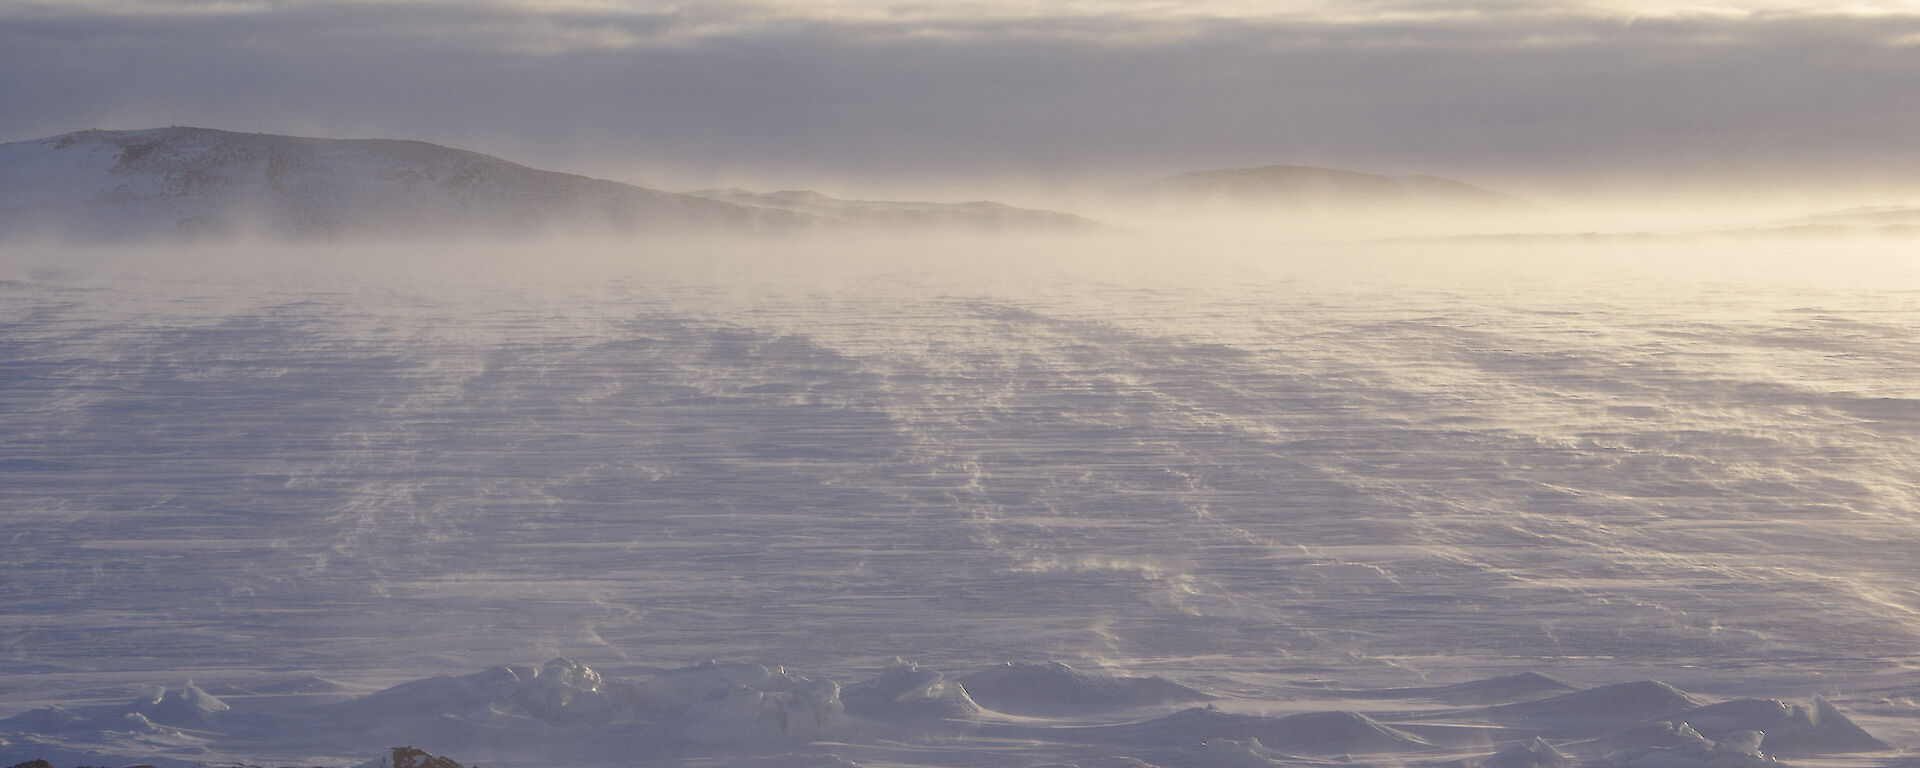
(1089, 502)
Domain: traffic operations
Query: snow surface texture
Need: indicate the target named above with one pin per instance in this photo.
(1638, 508)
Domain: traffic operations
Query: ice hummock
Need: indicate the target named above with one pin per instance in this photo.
(1789, 729)
(1604, 707)
(1315, 733)
(186, 706)
(1506, 689)
(1054, 688)
(906, 689)
(565, 710)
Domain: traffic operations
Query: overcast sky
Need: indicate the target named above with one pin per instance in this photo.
(839, 93)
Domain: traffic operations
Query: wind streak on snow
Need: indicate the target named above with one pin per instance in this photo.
(1259, 470)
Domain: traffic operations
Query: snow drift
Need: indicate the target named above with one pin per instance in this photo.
(565, 712)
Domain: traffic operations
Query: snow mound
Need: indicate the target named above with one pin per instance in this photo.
(442, 696)
(1813, 729)
(906, 689)
(709, 703)
(1534, 753)
(1525, 686)
(303, 685)
(758, 715)
(1604, 707)
(1231, 753)
(673, 691)
(1314, 733)
(564, 689)
(796, 760)
(45, 720)
(561, 690)
(1102, 762)
(1676, 745)
(1055, 688)
(46, 755)
(409, 757)
(743, 715)
(186, 707)
(1500, 690)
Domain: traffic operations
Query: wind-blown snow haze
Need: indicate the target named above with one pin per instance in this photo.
(581, 383)
(1285, 481)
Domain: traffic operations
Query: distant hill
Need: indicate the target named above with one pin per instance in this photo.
(1301, 186)
(198, 181)
(980, 215)
(1891, 222)
(1884, 221)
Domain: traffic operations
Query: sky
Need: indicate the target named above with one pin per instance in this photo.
(890, 94)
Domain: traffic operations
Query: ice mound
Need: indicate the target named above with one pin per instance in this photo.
(409, 757)
(44, 720)
(560, 690)
(170, 718)
(1677, 745)
(1605, 707)
(1826, 731)
(1319, 733)
(443, 696)
(53, 756)
(1102, 762)
(188, 707)
(1535, 753)
(746, 715)
(1817, 728)
(1524, 686)
(709, 703)
(302, 685)
(675, 690)
(564, 689)
(1055, 688)
(755, 715)
(906, 689)
(794, 760)
(1228, 753)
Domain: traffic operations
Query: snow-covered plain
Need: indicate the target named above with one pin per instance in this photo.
(983, 504)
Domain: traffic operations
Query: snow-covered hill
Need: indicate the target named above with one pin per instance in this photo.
(978, 215)
(198, 181)
(1304, 186)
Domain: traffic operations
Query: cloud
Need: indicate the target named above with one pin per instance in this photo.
(792, 90)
